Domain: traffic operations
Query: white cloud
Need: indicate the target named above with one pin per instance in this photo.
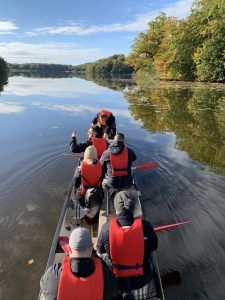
(8, 108)
(7, 27)
(63, 53)
(179, 9)
(52, 87)
(78, 109)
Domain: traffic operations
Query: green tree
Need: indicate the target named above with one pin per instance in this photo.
(147, 44)
(210, 55)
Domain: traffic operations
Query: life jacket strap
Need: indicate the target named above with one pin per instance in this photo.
(86, 187)
(119, 169)
(123, 267)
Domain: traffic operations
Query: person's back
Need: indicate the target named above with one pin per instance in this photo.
(80, 275)
(116, 162)
(94, 138)
(131, 265)
(88, 175)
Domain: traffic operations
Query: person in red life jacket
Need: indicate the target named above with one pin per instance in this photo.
(80, 276)
(94, 138)
(106, 120)
(87, 176)
(116, 162)
(128, 243)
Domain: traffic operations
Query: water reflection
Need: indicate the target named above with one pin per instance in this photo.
(3, 81)
(8, 108)
(195, 114)
(118, 83)
(51, 87)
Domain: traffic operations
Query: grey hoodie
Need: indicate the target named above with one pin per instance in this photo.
(117, 182)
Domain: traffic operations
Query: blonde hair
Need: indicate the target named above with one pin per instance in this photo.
(90, 155)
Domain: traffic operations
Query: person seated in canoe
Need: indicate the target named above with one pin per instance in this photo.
(128, 242)
(80, 275)
(88, 181)
(116, 162)
(94, 138)
(106, 120)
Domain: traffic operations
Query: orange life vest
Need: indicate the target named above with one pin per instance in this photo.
(126, 248)
(81, 288)
(119, 163)
(90, 176)
(100, 144)
(103, 112)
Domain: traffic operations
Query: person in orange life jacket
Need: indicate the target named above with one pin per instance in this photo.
(88, 175)
(116, 162)
(128, 243)
(81, 275)
(106, 120)
(94, 138)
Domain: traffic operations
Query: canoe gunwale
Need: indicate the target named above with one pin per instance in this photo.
(58, 228)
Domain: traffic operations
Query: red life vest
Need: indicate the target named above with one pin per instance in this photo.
(81, 288)
(126, 248)
(100, 144)
(119, 163)
(103, 112)
(90, 176)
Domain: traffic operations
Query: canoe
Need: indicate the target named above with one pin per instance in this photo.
(72, 218)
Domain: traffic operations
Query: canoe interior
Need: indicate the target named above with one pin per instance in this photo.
(71, 220)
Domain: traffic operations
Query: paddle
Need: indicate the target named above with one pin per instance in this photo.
(158, 228)
(64, 240)
(146, 166)
(74, 154)
(64, 243)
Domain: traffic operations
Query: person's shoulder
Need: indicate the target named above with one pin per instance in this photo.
(131, 151)
(146, 223)
(53, 272)
(105, 155)
(105, 227)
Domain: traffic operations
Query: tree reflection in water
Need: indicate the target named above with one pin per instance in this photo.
(195, 113)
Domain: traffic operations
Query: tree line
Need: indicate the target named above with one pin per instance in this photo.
(187, 49)
(111, 65)
(39, 67)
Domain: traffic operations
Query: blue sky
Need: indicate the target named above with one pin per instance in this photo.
(75, 32)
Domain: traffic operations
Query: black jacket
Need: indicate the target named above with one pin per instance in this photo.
(117, 182)
(110, 124)
(77, 148)
(150, 244)
(81, 267)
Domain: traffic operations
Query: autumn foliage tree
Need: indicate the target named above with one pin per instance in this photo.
(188, 49)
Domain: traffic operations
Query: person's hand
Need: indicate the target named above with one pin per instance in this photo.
(74, 134)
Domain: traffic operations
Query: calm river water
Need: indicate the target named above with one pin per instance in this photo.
(180, 126)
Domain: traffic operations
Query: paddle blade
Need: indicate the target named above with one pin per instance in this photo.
(158, 228)
(74, 154)
(64, 243)
(146, 166)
